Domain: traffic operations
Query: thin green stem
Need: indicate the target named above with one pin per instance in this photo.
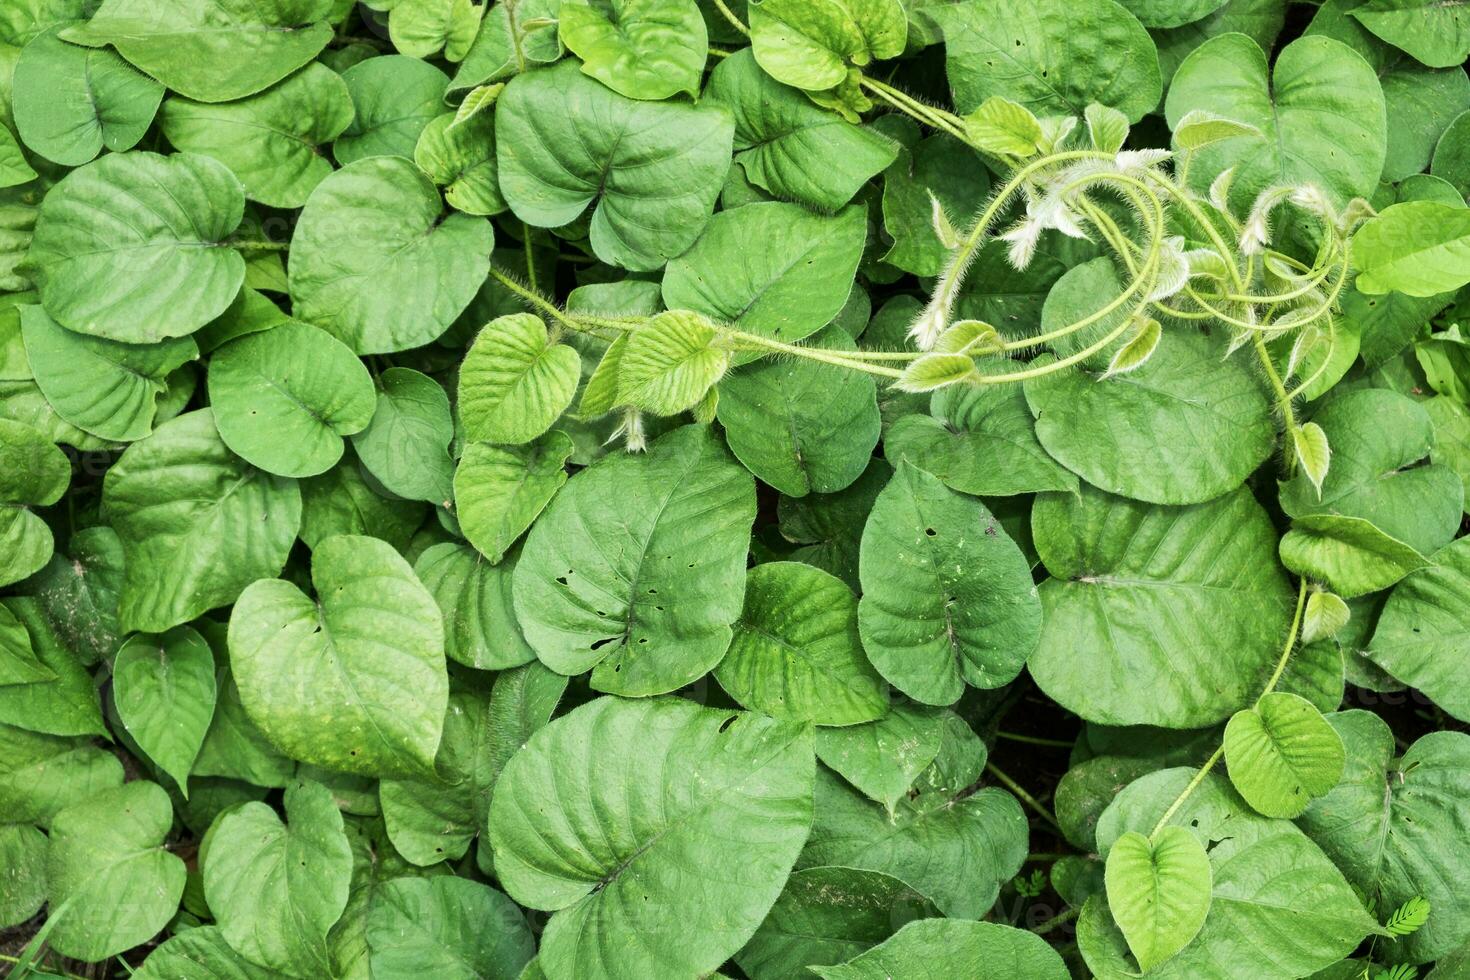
(260, 246)
(1061, 918)
(729, 15)
(756, 342)
(530, 259)
(1194, 784)
(1056, 743)
(514, 29)
(1021, 794)
(929, 115)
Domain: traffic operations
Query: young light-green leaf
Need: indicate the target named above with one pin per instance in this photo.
(1159, 892)
(1281, 754)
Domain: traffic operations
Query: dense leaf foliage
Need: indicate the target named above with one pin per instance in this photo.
(763, 489)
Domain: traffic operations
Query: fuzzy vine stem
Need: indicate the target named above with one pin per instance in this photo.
(1023, 796)
(1287, 650)
(731, 16)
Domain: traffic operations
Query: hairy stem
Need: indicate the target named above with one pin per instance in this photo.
(1023, 796)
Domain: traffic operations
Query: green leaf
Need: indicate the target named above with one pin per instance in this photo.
(41, 775)
(1326, 613)
(1437, 34)
(1054, 57)
(353, 680)
(14, 169)
(1391, 825)
(196, 522)
(796, 654)
(1199, 128)
(33, 471)
(284, 398)
(1419, 637)
(503, 48)
(790, 147)
(883, 758)
(1281, 753)
(982, 950)
(794, 284)
(64, 706)
(695, 876)
(1182, 429)
(70, 102)
(670, 362)
(1004, 128)
(826, 916)
(1318, 116)
(234, 747)
(932, 180)
(499, 492)
(1158, 891)
(1376, 435)
(448, 927)
(395, 98)
(109, 869)
(201, 952)
(515, 382)
(978, 439)
(129, 247)
(23, 851)
(1187, 600)
(164, 690)
(810, 45)
(653, 169)
(406, 445)
(1313, 452)
(423, 28)
(1348, 553)
(375, 262)
(270, 141)
(637, 569)
(800, 425)
(953, 845)
(947, 596)
(1260, 866)
(103, 387)
(1419, 248)
(276, 888)
(18, 663)
(460, 157)
(430, 821)
(474, 596)
(644, 49)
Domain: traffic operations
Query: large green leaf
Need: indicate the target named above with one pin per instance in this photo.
(811, 44)
(435, 820)
(1053, 56)
(644, 49)
(692, 877)
(1349, 554)
(947, 596)
(515, 382)
(826, 916)
(447, 927)
(653, 168)
(276, 888)
(940, 947)
(1435, 33)
(71, 101)
(41, 775)
(499, 491)
(375, 262)
(978, 439)
(791, 286)
(104, 387)
(1417, 248)
(344, 500)
(790, 147)
(1376, 435)
(1260, 867)
(353, 680)
(949, 843)
(129, 246)
(1420, 637)
(637, 569)
(799, 425)
(474, 597)
(422, 28)
(284, 398)
(1281, 753)
(394, 98)
(883, 758)
(269, 141)
(460, 157)
(796, 654)
(1182, 429)
(33, 472)
(23, 850)
(211, 50)
(1187, 601)
(406, 445)
(18, 663)
(1395, 826)
(203, 953)
(109, 868)
(64, 706)
(1318, 115)
(197, 523)
(164, 689)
